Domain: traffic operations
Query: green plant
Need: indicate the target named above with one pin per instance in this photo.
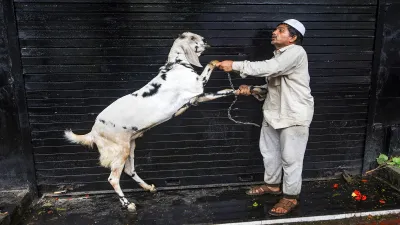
(384, 161)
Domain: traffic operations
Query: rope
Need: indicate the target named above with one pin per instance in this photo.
(234, 101)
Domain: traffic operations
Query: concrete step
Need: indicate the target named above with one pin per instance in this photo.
(13, 204)
(389, 175)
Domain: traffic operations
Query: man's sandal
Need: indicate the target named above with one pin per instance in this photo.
(285, 204)
(263, 189)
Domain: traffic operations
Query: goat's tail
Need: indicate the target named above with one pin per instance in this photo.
(86, 139)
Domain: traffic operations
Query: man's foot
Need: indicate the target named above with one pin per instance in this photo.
(283, 207)
(264, 189)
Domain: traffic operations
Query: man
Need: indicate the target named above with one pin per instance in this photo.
(288, 110)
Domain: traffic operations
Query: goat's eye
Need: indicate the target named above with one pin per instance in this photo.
(192, 38)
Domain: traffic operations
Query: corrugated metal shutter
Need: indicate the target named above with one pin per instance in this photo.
(79, 56)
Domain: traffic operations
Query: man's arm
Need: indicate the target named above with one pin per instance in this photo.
(259, 92)
(273, 67)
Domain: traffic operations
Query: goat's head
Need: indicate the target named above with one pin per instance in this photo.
(192, 45)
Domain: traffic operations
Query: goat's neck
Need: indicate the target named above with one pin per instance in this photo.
(177, 54)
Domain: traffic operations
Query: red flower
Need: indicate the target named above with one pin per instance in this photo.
(382, 201)
(335, 186)
(356, 193)
(358, 196)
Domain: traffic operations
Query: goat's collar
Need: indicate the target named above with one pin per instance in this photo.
(176, 61)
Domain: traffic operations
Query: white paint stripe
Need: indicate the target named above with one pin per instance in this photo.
(318, 218)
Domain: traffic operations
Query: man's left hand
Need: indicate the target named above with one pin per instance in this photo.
(225, 65)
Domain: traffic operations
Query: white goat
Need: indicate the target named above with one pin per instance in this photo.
(176, 87)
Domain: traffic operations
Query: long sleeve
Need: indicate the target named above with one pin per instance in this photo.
(273, 67)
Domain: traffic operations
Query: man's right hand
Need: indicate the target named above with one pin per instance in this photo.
(243, 90)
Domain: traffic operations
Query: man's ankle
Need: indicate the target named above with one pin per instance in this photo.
(274, 187)
(291, 199)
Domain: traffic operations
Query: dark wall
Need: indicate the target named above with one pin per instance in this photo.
(388, 80)
(384, 135)
(79, 56)
(11, 163)
(16, 162)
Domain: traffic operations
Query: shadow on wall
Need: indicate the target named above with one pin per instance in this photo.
(263, 48)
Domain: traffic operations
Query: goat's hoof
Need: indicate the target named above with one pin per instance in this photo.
(153, 189)
(214, 62)
(131, 207)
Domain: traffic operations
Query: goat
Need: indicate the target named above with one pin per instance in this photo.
(176, 87)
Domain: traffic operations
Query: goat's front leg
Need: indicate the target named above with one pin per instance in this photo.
(205, 97)
(212, 96)
(205, 75)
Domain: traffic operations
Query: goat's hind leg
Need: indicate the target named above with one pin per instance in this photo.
(130, 170)
(114, 178)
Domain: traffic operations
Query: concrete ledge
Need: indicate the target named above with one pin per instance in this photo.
(13, 204)
(389, 175)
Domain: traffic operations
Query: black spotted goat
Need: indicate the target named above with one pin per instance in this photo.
(176, 87)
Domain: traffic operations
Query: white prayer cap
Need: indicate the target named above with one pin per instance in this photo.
(296, 25)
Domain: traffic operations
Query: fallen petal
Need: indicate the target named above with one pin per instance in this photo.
(382, 201)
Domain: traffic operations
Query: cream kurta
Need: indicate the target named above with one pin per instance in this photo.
(289, 101)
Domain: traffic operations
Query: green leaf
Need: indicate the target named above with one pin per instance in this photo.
(382, 159)
(391, 163)
(396, 160)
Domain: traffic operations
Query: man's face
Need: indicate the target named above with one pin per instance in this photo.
(281, 36)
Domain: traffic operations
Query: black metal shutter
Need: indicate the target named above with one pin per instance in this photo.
(79, 56)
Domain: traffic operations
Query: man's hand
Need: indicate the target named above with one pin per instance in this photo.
(225, 65)
(243, 90)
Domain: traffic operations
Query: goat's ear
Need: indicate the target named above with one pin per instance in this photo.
(191, 55)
